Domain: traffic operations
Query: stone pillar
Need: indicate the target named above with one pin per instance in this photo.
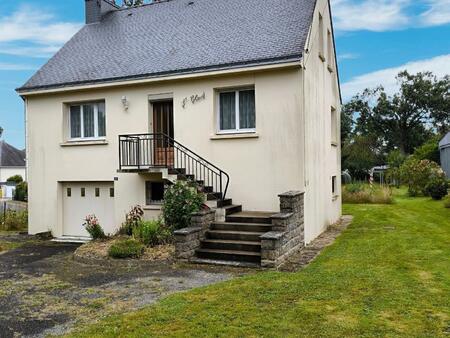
(187, 240)
(287, 235)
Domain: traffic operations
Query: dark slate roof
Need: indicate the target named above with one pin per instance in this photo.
(173, 37)
(10, 156)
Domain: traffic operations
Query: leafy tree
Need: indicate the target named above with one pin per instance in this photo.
(133, 3)
(1, 131)
(395, 159)
(408, 118)
(15, 179)
(347, 123)
(429, 150)
(359, 155)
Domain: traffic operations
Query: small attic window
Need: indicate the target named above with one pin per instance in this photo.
(321, 39)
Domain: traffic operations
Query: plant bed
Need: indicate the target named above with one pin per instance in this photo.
(96, 252)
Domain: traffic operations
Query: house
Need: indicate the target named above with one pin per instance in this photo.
(444, 148)
(12, 163)
(240, 95)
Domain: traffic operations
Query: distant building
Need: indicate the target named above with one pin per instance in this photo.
(12, 162)
(444, 147)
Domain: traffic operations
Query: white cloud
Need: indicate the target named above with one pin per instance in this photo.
(385, 15)
(40, 30)
(347, 56)
(16, 66)
(437, 14)
(373, 15)
(439, 65)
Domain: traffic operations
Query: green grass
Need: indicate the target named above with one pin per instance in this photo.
(387, 275)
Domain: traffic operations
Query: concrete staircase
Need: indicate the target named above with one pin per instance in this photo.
(236, 241)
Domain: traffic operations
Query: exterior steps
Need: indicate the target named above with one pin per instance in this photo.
(230, 255)
(235, 241)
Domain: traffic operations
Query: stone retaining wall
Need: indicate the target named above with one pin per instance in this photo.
(287, 235)
(187, 240)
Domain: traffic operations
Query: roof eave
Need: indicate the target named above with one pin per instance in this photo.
(253, 65)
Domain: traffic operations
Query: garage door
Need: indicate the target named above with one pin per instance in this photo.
(82, 199)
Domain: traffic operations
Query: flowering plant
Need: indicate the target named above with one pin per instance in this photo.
(93, 227)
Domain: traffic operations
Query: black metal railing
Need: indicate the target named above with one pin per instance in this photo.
(140, 152)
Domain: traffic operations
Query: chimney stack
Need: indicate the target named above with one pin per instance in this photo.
(95, 9)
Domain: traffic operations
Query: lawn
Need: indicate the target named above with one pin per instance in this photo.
(387, 275)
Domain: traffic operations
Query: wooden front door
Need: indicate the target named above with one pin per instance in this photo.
(163, 125)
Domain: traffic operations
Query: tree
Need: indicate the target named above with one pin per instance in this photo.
(346, 123)
(1, 131)
(429, 150)
(359, 155)
(407, 119)
(133, 3)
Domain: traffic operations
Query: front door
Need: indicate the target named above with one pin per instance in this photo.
(163, 125)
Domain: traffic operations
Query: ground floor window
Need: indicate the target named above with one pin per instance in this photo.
(154, 192)
(236, 110)
(333, 185)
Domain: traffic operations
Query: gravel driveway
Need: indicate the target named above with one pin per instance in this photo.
(43, 291)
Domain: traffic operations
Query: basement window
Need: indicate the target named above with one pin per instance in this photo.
(154, 192)
(87, 121)
(236, 110)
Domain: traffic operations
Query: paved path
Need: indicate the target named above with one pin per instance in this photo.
(43, 291)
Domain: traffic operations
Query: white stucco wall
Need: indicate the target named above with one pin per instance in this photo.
(260, 168)
(322, 159)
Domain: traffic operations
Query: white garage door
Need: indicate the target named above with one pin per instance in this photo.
(86, 198)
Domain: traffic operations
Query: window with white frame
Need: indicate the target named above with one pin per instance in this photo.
(334, 126)
(236, 110)
(87, 121)
(321, 38)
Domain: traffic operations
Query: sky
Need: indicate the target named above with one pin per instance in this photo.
(375, 39)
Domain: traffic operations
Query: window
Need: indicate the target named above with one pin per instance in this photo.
(330, 51)
(334, 126)
(236, 110)
(83, 192)
(321, 38)
(111, 192)
(87, 121)
(154, 192)
(333, 185)
(69, 192)
(97, 192)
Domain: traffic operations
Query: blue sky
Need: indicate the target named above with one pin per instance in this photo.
(375, 39)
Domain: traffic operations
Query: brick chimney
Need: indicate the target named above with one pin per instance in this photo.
(95, 9)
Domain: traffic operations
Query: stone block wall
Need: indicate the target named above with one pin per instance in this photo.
(187, 240)
(287, 235)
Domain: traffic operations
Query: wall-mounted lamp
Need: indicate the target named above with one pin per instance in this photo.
(125, 103)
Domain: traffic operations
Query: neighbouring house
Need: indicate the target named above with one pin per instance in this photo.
(12, 162)
(241, 96)
(444, 148)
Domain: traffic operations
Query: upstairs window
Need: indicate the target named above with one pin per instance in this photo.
(334, 126)
(330, 51)
(321, 39)
(87, 121)
(236, 110)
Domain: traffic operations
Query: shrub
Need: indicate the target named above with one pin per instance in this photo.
(132, 220)
(15, 220)
(180, 201)
(437, 186)
(152, 233)
(126, 248)
(447, 202)
(15, 179)
(416, 174)
(429, 150)
(93, 227)
(21, 192)
(354, 187)
(360, 193)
